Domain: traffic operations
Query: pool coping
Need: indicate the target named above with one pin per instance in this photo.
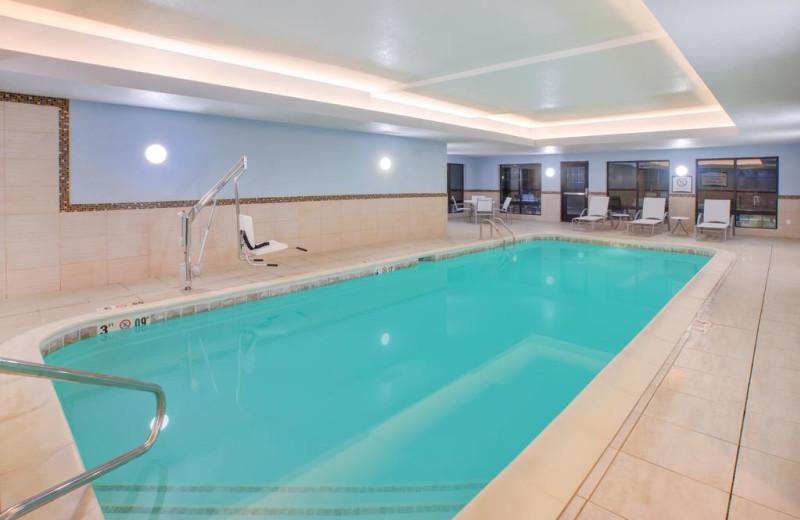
(539, 483)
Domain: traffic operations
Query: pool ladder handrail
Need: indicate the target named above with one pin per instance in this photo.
(493, 227)
(14, 366)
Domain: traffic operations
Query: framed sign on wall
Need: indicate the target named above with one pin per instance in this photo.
(681, 184)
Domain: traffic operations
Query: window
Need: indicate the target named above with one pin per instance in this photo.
(455, 184)
(751, 184)
(629, 182)
(523, 183)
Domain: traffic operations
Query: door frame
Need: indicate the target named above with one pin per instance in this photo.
(564, 166)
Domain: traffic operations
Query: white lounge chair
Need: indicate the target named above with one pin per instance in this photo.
(506, 208)
(459, 208)
(247, 243)
(652, 214)
(716, 216)
(596, 212)
(484, 209)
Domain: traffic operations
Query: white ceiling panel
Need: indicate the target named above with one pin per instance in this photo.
(630, 79)
(405, 40)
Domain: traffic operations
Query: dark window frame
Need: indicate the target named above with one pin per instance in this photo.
(517, 205)
(636, 190)
(735, 191)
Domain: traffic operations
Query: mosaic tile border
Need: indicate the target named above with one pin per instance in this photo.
(551, 193)
(389, 488)
(64, 171)
(284, 511)
(481, 190)
(252, 200)
(683, 195)
(563, 238)
(789, 197)
(134, 320)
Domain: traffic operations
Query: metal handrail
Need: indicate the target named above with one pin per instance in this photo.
(513, 236)
(493, 227)
(26, 368)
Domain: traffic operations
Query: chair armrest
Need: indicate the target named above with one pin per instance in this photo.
(637, 215)
(584, 212)
(699, 217)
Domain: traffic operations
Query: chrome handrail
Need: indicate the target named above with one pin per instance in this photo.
(493, 227)
(13, 366)
(513, 236)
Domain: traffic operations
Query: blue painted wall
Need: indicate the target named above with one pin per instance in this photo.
(483, 172)
(107, 144)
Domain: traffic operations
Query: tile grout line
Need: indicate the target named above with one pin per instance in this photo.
(749, 381)
(679, 346)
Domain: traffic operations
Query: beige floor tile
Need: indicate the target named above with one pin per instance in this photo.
(742, 509)
(636, 489)
(771, 481)
(775, 375)
(768, 340)
(689, 453)
(779, 357)
(714, 364)
(592, 511)
(783, 328)
(597, 473)
(713, 388)
(573, 509)
(695, 413)
(777, 437)
(774, 402)
(724, 341)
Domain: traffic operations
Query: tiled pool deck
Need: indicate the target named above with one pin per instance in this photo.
(714, 430)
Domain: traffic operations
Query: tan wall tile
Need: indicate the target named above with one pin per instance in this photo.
(30, 145)
(2, 115)
(31, 254)
(26, 200)
(83, 223)
(24, 228)
(23, 117)
(31, 172)
(84, 249)
(130, 221)
(33, 281)
(84, 274)
(128, 245)
(128, 269)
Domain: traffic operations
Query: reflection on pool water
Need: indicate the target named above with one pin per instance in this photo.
(398, 394)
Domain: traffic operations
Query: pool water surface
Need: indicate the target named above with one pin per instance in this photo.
(398, 394)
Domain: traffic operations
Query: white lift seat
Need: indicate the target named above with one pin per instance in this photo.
(247, 241)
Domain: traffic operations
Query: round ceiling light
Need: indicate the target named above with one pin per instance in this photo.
(550, 172)
(155, 154)
(385, 163)
(681, 170)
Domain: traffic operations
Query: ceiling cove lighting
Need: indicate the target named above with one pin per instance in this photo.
(385, 164)
(155, 154)
(550, 172)
(681, 170)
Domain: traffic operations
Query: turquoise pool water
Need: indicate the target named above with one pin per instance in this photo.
(399, 395)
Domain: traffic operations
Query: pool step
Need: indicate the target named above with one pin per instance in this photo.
(153, 502)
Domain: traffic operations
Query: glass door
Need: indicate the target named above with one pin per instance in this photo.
(455, 185)
(523, 183)
(574, 189)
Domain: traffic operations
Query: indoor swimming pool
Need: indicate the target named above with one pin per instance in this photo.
(398, 394)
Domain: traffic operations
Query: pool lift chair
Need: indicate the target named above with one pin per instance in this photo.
(247, 250)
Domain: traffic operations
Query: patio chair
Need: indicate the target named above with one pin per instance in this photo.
(596, 212)
(652, 214)
(716, 216)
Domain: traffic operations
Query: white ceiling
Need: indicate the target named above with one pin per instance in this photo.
(488, 77)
